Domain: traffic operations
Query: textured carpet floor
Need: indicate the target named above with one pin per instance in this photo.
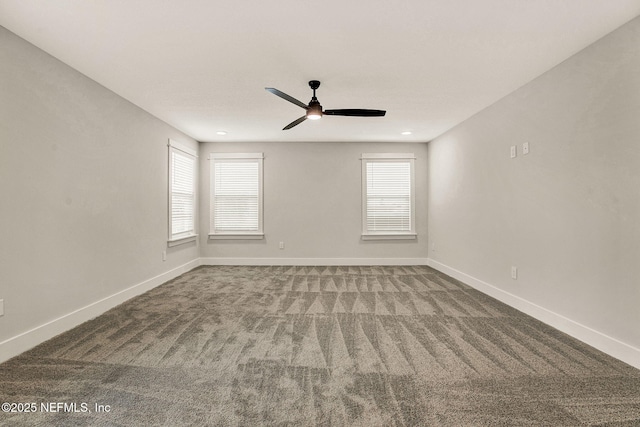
(318, 346)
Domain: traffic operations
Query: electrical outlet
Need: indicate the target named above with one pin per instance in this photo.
(525, 148)
(514, 151)
(514, 272)
(281, 245)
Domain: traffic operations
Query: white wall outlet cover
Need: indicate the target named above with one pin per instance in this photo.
(525, 148)
(514, 151)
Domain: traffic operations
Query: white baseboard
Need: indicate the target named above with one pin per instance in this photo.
(602, 342)
(313, 261)
(29, 339)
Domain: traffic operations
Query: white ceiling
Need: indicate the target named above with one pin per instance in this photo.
(202, 65)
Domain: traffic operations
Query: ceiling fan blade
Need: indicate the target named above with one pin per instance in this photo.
(296, 122)
(355, 112)
(287, 97)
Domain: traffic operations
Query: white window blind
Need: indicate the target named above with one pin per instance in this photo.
(182, 192)
(388, 195)
(236, 199)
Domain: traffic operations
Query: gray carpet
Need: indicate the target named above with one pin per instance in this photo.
(318, 346)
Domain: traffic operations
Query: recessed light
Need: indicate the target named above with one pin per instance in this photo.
(221, 132)
(406, 132)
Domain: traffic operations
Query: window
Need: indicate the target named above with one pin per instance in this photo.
(182, 194)
(236, 196)
(388, 196)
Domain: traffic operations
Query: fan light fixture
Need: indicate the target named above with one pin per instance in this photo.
(315, 111)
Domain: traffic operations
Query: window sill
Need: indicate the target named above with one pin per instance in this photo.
(412, 236)
(231, 236)
(182, 240)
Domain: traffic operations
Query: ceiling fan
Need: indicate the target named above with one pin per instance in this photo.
(314, 109)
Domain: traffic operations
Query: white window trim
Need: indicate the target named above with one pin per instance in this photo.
(237, 235)
(386, 235)
(181, 240)
(183, 237)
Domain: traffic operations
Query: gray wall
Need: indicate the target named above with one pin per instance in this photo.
(312, 202)
(83, 179)
(568, 213)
